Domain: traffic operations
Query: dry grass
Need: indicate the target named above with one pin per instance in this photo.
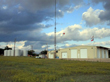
(26, 69)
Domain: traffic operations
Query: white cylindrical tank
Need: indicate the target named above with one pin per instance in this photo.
(12, 53)
(25, 53)
(4, 52)
(21, 53)
(17, 52)
(9, 52)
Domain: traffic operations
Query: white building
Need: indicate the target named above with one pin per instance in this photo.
(81, 52)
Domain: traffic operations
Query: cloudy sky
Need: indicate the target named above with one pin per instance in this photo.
(32, 22)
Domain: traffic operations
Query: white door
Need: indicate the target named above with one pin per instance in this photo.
(83, 53)
(51, 55)
(64, 55)
(102, 53)
(74, 53)
(98, 53)
(106, 52)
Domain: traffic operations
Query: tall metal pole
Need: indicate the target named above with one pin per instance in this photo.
(14, 46)
(55, 30)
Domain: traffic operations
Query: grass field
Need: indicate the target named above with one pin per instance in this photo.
(28, 69)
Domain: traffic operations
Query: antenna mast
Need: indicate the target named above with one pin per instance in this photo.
(55, 30)
(14, 46)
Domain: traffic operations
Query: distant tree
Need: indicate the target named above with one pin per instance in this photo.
(30, 52)
(1, 51)
(43, 52)
(7, 48)
(34, 54)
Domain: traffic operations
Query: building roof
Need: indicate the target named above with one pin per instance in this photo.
(102, 47)
(82, 46)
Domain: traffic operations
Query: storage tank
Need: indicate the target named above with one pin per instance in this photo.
(12, 53)
(9, 53)
(25, 53)
(5, 52)
(21, 53)
(17, 52)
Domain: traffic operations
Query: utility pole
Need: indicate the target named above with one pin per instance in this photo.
(55, 31)
(14, 46)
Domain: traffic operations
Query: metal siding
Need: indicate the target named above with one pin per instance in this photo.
(74, 53)
(64, 55)
(98, 53)
(83, 53)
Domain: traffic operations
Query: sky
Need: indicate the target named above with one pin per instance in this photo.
(32, 23)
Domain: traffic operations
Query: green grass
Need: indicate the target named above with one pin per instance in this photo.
(28, 69)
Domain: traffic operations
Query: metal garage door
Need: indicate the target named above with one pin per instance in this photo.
(74, 53)
(106, 52)
(64, 55)
(98, 53)
(51, 56)
(102, 53)
(83, 53)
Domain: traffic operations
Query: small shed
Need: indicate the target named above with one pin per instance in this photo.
(51, 54)
(41, 56)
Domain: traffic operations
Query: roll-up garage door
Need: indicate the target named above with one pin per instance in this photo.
(74, 53)
(83, 53)
(98, 53)
(64, 55)
(51, 56)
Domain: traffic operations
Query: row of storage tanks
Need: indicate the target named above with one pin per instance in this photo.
(17, 53)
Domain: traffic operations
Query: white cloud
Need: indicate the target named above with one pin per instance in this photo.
(76, 33)
(104, 43)
(91, 17)
(19, 44)
(67, 45)
(4, 7)
(71, 9)
(43, 46)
